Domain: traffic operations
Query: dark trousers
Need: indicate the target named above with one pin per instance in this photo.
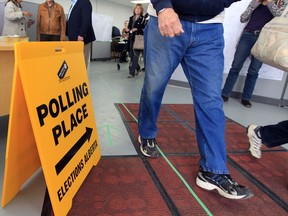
(134, 58)
(47, 37)
(274, 135)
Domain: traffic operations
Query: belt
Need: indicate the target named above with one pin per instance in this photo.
(256, 32)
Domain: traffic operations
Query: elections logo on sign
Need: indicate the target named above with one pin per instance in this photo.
(63, 70)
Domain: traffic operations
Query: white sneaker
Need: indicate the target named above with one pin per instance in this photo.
(254, 140)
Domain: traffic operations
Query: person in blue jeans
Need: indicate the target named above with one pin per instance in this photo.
(181, 33)
(268, 135)
(257, 14)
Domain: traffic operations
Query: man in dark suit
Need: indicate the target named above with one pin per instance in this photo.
(79, 25)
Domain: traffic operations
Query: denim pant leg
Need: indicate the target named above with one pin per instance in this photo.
(275, 135)
(162, 56)
(251, 78)
(242, 52)
(203, 66)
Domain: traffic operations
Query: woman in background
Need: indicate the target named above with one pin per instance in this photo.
(125, 31)
(136, 27)
(15, 20)
(257, 14)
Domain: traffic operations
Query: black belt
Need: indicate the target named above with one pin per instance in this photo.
(256, 32)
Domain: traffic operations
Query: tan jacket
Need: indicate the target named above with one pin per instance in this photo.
(53, 22)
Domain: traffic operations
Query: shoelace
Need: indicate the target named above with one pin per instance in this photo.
(230, 180)
(150, 143)
(256, 140)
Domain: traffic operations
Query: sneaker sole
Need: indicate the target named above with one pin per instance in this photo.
(142, 150)
(209, 186)
(249, 131)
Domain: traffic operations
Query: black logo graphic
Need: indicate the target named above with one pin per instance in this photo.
(63, 70)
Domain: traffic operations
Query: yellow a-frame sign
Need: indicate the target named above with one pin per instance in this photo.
(51, 121)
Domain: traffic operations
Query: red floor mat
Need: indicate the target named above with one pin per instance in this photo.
(259, 204)
(140, 186)
(118, 186)
(178, 137)
(270, 170)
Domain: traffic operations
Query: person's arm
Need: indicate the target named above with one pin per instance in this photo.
(273, 8)
(86, 13)
(245, 16)
(11, 14)
(38, 25)
(63, 25)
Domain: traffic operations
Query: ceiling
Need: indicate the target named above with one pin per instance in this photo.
(122, 2)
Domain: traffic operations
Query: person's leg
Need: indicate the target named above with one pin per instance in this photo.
(274, 135)
(269, 135)
(132, 67)
(203, 66)
(251, 78)
(135, 65)
(242, 52)
(162, 56)
(131, 54)
(87, 52)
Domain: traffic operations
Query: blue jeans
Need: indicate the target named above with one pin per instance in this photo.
(200, 52)
(274, 135)
(243, 51)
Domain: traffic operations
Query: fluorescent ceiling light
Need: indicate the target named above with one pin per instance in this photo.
(140, 1)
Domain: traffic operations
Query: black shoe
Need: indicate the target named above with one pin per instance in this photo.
(138, 68)
(223, 183)
(148, 147)
(246, 103)
(225, 98)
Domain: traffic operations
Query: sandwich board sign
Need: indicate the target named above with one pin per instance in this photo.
(51, 123)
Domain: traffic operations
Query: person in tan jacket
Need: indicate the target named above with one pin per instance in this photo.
(51, 22)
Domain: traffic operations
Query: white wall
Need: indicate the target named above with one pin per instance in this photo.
(119, 12)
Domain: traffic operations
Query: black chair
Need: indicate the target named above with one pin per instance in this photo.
(118, 47)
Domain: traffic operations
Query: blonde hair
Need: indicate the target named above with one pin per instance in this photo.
(141, 8)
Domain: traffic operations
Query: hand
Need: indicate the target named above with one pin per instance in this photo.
(80, 38)
(26, 13)
(169, 23)
(265, 2)
(30, 22)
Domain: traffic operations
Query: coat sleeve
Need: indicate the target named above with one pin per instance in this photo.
(160, 4)
(38, 25)
(273, 8)
(86, 18)
(245, 16)
(63, 25)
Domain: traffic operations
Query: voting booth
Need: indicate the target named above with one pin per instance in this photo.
(51, 121)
